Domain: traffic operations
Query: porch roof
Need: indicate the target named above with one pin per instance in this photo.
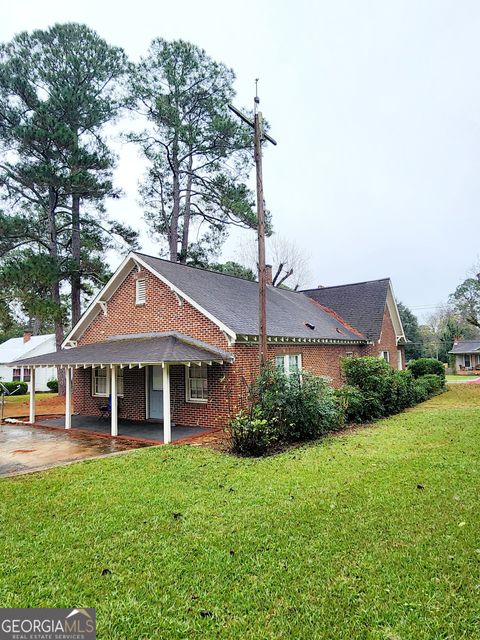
(136, 349)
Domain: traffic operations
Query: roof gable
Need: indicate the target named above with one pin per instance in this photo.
(362, 304)
(16, 348)
(466, 346)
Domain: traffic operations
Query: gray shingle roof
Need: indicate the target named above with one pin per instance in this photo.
(361, 304)
(234, 302)
(466, 346)
(155, 348)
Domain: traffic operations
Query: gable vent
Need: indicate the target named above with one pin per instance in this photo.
(140, 291)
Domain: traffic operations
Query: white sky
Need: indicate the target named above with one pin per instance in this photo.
(375, 106)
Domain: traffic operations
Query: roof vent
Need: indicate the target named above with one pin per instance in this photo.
(310, 325)
(339, 331)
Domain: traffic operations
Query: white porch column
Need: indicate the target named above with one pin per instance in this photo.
(32, 395)
(167, 423)
(68, 398)
(113, 395)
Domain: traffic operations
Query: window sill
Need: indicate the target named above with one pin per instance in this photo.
(196, 401)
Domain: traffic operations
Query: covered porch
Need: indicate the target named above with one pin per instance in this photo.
(151, 432)
(153, 357)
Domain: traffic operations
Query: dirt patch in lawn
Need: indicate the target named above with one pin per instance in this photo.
(44, 406)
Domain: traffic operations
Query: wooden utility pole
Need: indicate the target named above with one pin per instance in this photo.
(259, 137)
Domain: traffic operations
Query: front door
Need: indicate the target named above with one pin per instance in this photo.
(155, 394)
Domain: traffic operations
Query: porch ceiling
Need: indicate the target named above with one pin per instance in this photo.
(166, 348)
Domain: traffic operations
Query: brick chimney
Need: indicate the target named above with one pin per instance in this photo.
(27, 335)
(268, 273)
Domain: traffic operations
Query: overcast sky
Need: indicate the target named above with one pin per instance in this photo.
(375, 106)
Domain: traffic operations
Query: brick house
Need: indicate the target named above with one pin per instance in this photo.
(180, 344)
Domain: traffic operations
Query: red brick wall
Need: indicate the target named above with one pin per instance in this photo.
(161, 312)
(227, 384)
(388, 342)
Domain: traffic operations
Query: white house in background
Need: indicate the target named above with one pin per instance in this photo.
(26, 347)
(467, 355)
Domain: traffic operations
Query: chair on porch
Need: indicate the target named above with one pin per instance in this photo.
(106, 409)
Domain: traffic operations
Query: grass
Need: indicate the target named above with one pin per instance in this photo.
(372, 534)
(25, 398)
(453, 377)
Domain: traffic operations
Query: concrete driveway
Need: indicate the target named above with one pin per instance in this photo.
(24, 448)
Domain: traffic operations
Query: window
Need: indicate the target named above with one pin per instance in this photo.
(349, 354)
(385, 355)
(289, 363)
(196, 383)
(17, 374)
(140, 291)
(26, 375)
(467, 360)
(101, 382)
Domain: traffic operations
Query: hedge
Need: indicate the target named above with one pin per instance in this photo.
(12, 387)
(426, 366)
(302, 407)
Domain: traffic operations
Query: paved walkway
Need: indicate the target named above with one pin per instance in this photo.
(28, 448)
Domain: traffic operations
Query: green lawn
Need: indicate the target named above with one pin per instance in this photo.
(370, 535)
(25, 397)
(453, 377)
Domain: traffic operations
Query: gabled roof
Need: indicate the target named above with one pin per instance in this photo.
(466, 346)
(16, 348)
(362, 304)
(155, 348)
(234, 302)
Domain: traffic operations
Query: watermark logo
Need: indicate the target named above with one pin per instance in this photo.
(47, 624)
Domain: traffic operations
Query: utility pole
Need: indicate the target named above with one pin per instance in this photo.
(259, 137)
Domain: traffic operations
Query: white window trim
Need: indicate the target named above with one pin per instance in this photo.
(107, 394)
(286, 362)
(188, 389)
(387, 359)
(138, 300)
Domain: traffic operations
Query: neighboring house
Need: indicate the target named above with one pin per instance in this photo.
(467, 355)
(176, 342)
(26, 347)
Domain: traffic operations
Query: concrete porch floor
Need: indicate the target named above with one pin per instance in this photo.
(150, 431)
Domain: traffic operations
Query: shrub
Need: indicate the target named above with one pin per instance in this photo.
(429, 386)
(374, 389)
(284, 409)
(356, 405)
(427, 366)
(311, 409)
(251, 435)
(12, 386)
(53, 385)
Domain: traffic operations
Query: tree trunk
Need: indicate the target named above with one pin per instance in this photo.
(75, 280)
(173, 231)
(186, 214)
(55, 286)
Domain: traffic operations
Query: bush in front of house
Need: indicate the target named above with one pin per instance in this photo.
(357, 405)
(12, 388)
(375, 390)
(427, 366)
(251, 435)
(53, 385)
(428, 386)
(284, 409)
